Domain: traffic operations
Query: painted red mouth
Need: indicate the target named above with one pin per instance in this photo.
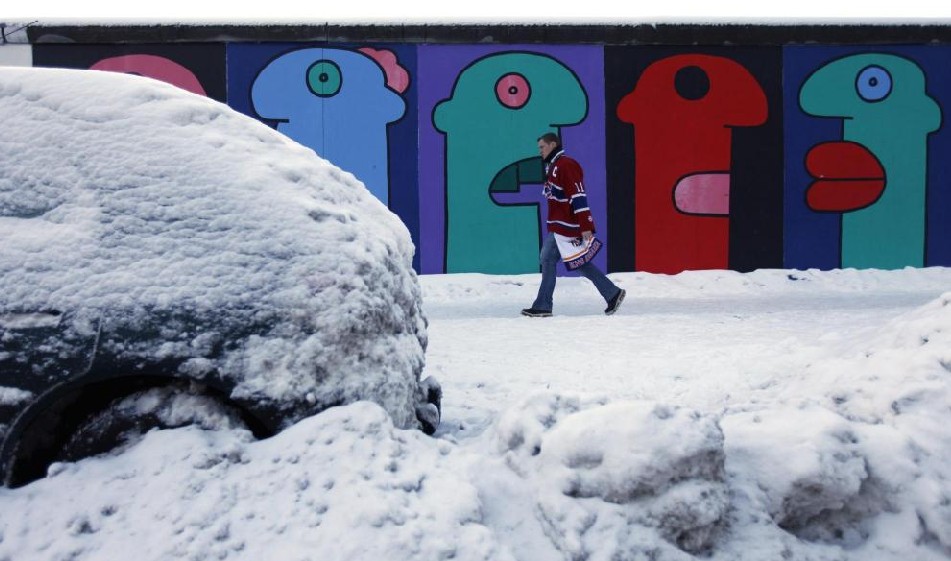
(848, 177)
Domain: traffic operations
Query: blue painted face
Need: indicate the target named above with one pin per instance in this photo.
(324, 78)
(335, 101)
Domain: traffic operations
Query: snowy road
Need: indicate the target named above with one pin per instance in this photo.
(708, 340)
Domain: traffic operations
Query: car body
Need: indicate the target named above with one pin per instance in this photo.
(153, 238)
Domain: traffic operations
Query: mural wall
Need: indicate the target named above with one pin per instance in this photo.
(694, 157)
(198, 68)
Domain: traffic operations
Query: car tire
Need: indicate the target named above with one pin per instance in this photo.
(126, 420)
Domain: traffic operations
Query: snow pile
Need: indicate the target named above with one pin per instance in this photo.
(854, 469)
(820, 445)
(861, 463)
(633, 477)
(130, 205)
(806, 469)
(344, 484)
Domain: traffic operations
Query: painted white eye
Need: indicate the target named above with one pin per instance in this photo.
(873, 83)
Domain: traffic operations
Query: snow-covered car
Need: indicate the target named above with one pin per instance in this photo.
(165, 260)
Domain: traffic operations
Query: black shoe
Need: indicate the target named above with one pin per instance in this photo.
(615, 302)
(536, 313)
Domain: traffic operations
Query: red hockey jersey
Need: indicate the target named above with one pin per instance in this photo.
(568, 212)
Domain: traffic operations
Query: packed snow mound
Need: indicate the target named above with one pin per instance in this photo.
(132, 198)
(635, 477)
(345, 484)
(810, 468)
(860, 465)
(822, 438)
(843, 458)
(926, 325)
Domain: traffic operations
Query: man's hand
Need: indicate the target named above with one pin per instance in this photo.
(587, 235)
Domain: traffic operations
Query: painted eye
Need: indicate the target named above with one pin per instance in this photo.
(692, 83)
(513, 90)
(324, 78)
(874, 83)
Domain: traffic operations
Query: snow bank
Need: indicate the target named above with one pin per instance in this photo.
(633, 477)
(861, 462)
(136, 200)
(841, 455)
(848, 459)
(344, 484)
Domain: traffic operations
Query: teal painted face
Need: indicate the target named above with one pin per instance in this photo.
(498, 108)
(500, 102)
(876, 173)
(515, 90)
(883, 89)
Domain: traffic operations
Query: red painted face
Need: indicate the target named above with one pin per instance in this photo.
(683, 109)
(696, 90)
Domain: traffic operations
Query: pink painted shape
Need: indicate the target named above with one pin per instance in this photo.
(513, 90)
(703, 193)
(151, 66)
(397, 78)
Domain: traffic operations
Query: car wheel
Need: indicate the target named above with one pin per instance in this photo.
(127, 419)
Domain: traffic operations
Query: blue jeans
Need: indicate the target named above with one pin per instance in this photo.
(549, 259)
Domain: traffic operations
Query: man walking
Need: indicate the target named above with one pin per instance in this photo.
(570, 220)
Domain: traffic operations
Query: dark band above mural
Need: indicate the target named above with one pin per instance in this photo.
(693, 157)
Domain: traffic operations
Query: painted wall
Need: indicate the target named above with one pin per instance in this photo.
(699, 157)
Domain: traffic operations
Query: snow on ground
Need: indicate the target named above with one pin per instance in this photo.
(718, 415)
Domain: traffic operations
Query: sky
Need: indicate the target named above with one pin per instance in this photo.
(776, 414)
(600, 11)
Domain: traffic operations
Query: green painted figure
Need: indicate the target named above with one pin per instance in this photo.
(885, 110)
(496, 103)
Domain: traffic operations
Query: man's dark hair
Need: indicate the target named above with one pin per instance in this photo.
(550, 137)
